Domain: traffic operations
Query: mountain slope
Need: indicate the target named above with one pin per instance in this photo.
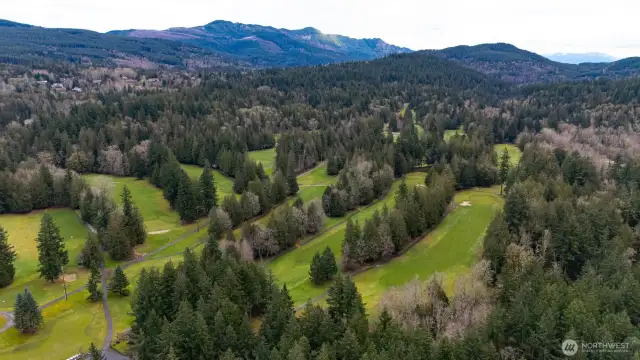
(265, 46)
(26, 44)
(515, 65)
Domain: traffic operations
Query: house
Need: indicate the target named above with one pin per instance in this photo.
(77, 89)
(42, 82)
(57, 86)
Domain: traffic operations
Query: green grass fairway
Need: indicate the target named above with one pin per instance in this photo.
(448, 134)
(513, 151)
(316, 177)
(23, 230)
(293, 267)
(68, 328)
(224, 184)
(450, 249)
(154, 208)
(266, 157)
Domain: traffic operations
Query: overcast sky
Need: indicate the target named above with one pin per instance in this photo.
(543, 26)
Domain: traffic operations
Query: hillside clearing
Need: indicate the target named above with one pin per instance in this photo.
(514, 153)
(265, 157)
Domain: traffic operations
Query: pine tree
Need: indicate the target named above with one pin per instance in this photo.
(186, 201)
(278, 188)
(329, 265)
(292, 181)
(7, 257)
(93, 286)
(118, 244)
(316, 271)
(51, 251)
(27, 315)
(240, 180)
(132, 221)
(91, 254)
(209, 194)
(67, 189)
(119, 282)
(95, 353)
(505, 163)
(87, 209)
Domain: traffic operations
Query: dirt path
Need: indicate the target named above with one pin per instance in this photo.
(105, 308)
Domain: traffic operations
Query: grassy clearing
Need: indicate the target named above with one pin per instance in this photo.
(224, 184)
(317, 176)
(448, 134)
(154, 208)
(23, 230)
(69, 327)
(266, 157)
(293, 267)
(450, 249)
(514, 153)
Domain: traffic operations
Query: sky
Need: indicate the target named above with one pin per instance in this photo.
(542, 26)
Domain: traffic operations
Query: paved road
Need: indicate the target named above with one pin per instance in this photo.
(9, 317)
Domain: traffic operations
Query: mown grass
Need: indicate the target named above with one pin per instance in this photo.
(154, 208)
(316, 177)
(292, 268)
(451, 249)
(69, 327)
(23, 231)
(448, 134)
(265, 157)
(224, 184)
(514, 152)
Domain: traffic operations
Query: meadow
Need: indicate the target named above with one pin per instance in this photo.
(23, 231)
(292, 268)
(448, 134)
(224, 184)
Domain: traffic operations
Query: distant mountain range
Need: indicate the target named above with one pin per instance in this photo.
(225, 45)
(579, 58)
(515, 65)
(265, 46)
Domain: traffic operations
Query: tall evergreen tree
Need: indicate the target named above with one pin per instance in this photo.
(119, 282)
(118, 244)
(186, 204)
(329, 264)
(95, 353)
(278, 188)
(505, 163)
(91, 254)
(7, 257)
(93, 286)
(132, 220)
(292, 181)
(316, 271)
(27, 315)
(52, 254)
(209, 193)
(67, 190)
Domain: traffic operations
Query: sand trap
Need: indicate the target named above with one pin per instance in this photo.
(70, 277)
(158, 232)
(465, 203)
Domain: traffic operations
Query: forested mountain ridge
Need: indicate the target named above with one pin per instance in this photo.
(265, 46)
(515, 65)
(219, 45)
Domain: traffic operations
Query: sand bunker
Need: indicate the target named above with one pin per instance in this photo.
(465, 203)
(158, 232)
(70, 277)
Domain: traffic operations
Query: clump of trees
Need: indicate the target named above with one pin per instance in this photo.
(119, 283)
(36, 187)
(7, 259)
(387, 233)
(323, 267)
(26, 313)
(359, 183)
